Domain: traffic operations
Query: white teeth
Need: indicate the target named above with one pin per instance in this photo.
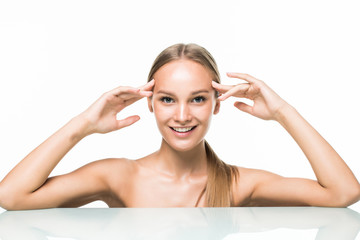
(183, 129)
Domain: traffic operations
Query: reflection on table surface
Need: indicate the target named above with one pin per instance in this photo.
(178, 223)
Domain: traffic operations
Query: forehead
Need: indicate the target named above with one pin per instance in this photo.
(182, 75)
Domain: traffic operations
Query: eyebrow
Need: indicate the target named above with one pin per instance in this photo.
(173, 94)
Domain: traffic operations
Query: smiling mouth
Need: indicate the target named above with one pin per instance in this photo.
(182, 129)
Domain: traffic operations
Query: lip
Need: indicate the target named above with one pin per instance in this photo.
(183, 134)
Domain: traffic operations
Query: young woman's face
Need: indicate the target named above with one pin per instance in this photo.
(183, 102)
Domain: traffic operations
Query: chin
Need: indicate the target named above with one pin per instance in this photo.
(183, 146)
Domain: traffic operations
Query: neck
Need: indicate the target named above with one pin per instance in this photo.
(181, 164)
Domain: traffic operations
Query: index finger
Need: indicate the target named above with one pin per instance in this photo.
(148, 86)
(146, 90)
(220, 87)
(242, 76)
(123, 89)
(129, 92)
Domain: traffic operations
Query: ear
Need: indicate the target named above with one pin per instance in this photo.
(217, 106)
(149, 100)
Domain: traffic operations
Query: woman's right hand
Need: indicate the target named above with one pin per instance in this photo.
(100, 117)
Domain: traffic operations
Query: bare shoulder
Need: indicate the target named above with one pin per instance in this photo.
(110, 168)
(104, 166)
(246, 183)
(262, 188)
(112, 162)
(119, 170)
(112, 173)
(122, 176)
(255, 174)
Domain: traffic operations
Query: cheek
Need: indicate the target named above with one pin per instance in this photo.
(211, 106)
(204, 113)
(161, 112)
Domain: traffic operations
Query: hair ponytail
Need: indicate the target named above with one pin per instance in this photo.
(220, 178)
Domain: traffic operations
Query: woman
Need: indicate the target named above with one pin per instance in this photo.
(183, 92)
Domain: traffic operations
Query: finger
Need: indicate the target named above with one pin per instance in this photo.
(228, 94)
(130, 92)
(238, 90)
(244, 107)
(129, 101)
(139, 93)
(127, 121)
(145, 93)
(220, 87)
(143, 90)
(146, 90)
(242, 76)
(121, 90)
(148, 86)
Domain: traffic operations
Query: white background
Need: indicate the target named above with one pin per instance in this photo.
(57, 57)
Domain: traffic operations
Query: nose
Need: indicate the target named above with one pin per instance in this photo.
(183, 113)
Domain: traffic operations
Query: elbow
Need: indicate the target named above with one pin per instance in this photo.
(7, 205)
(354, 195)
(10, 205)
(347, 197)
(4, 200)
(8, 201)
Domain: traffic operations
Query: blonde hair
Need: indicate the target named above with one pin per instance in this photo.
(218, 191)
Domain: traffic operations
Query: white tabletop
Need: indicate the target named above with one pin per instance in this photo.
(181, 223)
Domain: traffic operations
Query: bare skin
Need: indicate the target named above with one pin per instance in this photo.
(182, 97)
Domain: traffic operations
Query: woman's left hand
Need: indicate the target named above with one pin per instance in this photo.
(267, 104)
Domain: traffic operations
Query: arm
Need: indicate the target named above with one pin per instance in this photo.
(336, 185)
(27, 186)
(29, 178)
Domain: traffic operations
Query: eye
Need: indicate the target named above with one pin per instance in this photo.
(166, 100)
(199, 99)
